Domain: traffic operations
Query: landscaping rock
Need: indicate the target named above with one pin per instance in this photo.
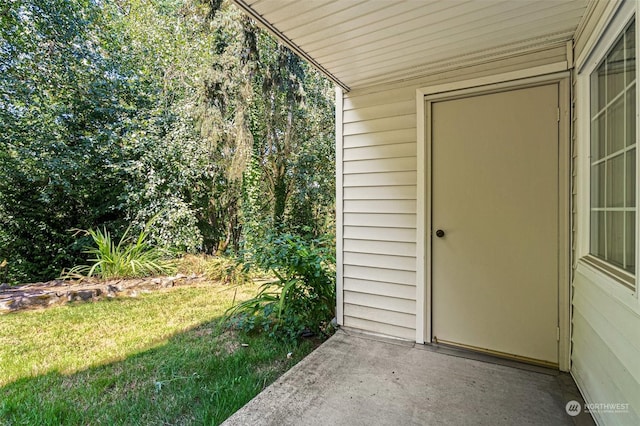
(57, 292)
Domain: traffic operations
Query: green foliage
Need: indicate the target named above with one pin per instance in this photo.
(60, 118)
(271, 117)
(131, 257)
(115, 112)
(301, 300)
(293, 133)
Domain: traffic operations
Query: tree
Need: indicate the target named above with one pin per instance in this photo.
(274, 106)
(116, 112)
(63, 105)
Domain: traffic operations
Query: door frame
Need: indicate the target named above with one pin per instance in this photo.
(550, 74)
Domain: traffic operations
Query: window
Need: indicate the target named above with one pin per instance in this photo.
(613, 157)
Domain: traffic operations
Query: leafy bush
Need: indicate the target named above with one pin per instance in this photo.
(129, 258)
(301, 300)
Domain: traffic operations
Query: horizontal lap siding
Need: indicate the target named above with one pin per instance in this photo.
(380, 274)
(368, 233)
(398, 150)
(380, 288)
(401, 263)
(387, 316)
(376, 326)
(379, 179)
(606, 348)
(388, 192)
(381, 165)
(380, 206)
(380, 138)
(403, 107)
(407, 121)
(379, 196)
(380, 219)
(384, 178)
(380, 247)
(393, 304)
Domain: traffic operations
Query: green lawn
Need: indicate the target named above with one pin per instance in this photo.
(156, 359)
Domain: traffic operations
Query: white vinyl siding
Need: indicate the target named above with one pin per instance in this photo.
(383, 275)
(379, 206)
(390, 232)
(403, 107)
(398, 150)
(383, 220)
(381, 247)
(400, 192)
(395, 122)
(400, 178)
(379, 181)
(606, 346)
(378, 288)
(379, 193)
(375, 324)
(381, 165)
(380, 138)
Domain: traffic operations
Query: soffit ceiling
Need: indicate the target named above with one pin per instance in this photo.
(365, 42)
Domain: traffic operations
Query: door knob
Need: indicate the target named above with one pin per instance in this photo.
(439, 233)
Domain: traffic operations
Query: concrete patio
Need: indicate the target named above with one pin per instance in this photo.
(355, 379)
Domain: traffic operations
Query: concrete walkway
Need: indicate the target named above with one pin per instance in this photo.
(354, 379)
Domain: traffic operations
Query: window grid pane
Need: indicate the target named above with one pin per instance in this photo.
(613, 155)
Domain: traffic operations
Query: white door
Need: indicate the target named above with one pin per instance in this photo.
(495, 232)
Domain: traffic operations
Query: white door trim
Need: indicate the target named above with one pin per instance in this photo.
(423, 249)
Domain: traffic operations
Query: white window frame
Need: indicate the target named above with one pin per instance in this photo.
(614, 278)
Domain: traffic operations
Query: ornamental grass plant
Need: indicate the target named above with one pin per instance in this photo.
(130, 257)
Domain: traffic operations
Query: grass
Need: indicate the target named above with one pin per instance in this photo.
(159, 358)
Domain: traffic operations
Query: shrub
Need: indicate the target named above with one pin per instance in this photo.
(301, 300)
(129, 258)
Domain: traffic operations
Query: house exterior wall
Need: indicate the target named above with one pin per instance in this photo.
(378, 232)
(377, 229)
(606, 345)
(605, 315)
